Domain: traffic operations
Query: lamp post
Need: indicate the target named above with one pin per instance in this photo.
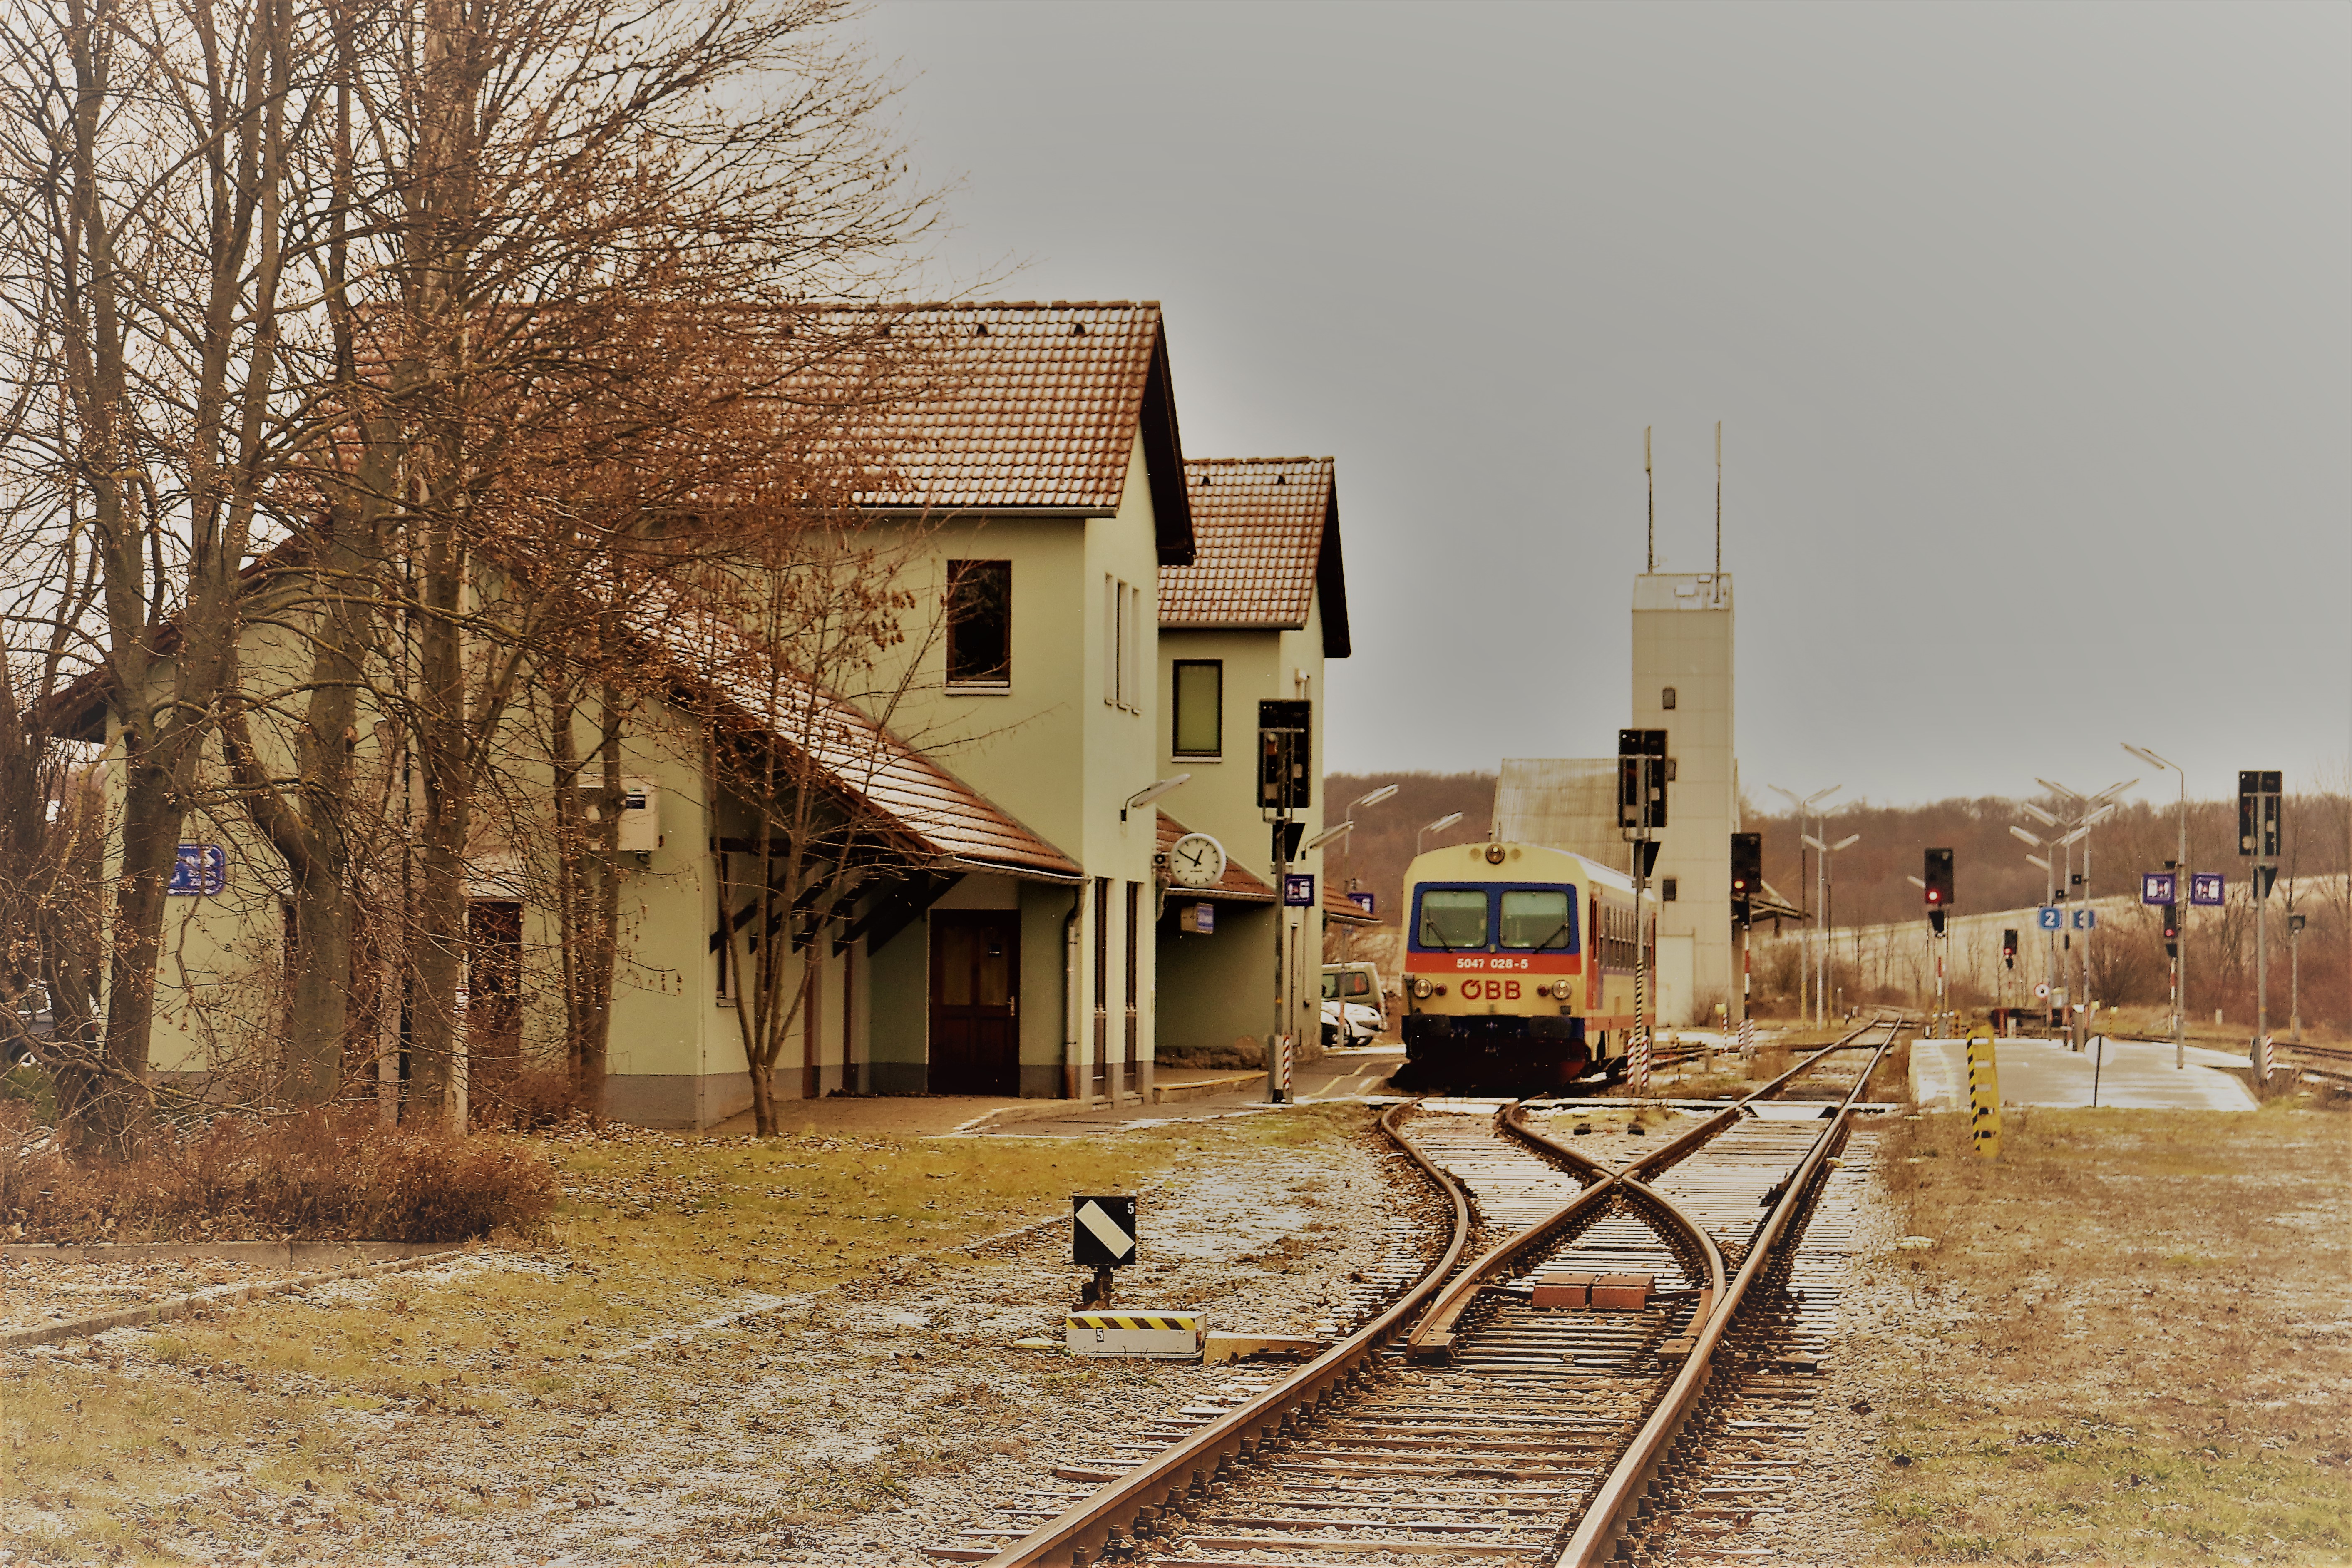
(1347, 932)
(2179, 914)
(1804, 809)
(1829, 932)
(2089, 811)
(1421, 840)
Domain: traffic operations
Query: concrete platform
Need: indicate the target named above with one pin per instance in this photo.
(2133, 1075)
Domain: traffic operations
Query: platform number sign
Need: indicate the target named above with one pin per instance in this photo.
(199, 869)
(2050, 917)
(1102, 1232)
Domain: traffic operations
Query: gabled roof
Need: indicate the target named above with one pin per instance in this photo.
(936, 818)
(1236, 885)
(1338, 906)
(1266, 534)
(1029, 406)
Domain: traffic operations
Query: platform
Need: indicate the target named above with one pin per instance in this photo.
(2133, 1075)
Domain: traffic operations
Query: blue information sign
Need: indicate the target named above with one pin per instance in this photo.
(1299, 889)
(1362, 901)
(2050, 917)
(2160, 888)
(2205, 887)
(199, 868)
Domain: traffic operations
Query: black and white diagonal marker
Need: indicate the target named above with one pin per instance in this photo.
(1102, 1232)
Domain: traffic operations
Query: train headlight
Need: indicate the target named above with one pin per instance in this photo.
(1421, 987)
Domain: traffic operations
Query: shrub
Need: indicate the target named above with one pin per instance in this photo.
(326, 1175)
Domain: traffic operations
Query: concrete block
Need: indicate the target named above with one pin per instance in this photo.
(1568, 1290)
(1621, 1292)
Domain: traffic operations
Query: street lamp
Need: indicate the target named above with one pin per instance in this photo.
(1803, 809)
(2180, 913)
(1829, 932)
(1347, 932)
(1439, 825)
(2090, 810)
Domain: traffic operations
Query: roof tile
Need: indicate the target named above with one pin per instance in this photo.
(1257, 535)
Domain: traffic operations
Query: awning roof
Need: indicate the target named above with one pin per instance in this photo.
(938, 819)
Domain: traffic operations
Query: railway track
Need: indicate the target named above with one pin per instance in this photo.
(1464, 1424)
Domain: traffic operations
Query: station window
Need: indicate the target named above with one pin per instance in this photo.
(1666, 889)
(979, 622)
(1666, 698)
(1199, 707)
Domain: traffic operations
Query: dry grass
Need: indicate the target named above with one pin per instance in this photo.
(357, 1426)
(2140, 1348)
(323, 1177)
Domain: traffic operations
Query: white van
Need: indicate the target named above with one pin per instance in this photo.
(1354, 1012)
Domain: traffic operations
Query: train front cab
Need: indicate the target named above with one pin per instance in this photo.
(1493, 969)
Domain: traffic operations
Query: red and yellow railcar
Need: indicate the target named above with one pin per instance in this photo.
(1519, 966)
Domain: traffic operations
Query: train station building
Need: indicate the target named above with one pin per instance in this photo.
(1092, 616)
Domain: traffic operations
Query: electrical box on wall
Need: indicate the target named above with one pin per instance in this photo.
(640, 816)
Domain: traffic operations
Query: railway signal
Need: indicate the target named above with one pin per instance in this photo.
(2009, 949)
(1102, 1238)
(1643, 771)
(1285, 751)
(1746, 874)
(1938, 877)
(1642, 776)
(2259, 790)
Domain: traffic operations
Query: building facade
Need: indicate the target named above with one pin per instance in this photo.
(1252, 619)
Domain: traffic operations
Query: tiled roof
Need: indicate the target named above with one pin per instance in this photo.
(902, 793)
(1337, 906)
(1266, 536)
(1027, 406)
(1236, 885)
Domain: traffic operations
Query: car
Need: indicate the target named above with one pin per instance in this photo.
(1353, 1012)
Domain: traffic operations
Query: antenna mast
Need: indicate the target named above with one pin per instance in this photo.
(1718, 498)
(1651, 477)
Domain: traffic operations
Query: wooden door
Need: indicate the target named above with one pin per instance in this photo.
(975, 1002)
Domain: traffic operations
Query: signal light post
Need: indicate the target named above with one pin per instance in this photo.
(1746, 877)
(1937, 884)
(2258, 839)
(1641, 812)
(1284, 787)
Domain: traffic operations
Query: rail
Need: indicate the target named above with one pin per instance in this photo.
(1614, 1505)
(1079, 1534)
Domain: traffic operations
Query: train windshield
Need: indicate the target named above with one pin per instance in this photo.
(1538, 918)
(1452, 916)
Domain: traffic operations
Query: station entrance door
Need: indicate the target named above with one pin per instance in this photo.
(975, 1002)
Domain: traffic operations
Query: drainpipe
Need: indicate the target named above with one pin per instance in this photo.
(1070, 1064)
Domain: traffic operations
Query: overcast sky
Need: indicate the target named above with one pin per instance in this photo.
(2029, 328)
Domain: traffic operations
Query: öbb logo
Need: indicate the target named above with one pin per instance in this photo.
(1490, 991)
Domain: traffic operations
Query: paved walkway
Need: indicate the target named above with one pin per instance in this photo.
(2131, 1075)
(1341, 1075)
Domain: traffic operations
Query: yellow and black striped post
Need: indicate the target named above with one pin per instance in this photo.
(1984, 1093)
